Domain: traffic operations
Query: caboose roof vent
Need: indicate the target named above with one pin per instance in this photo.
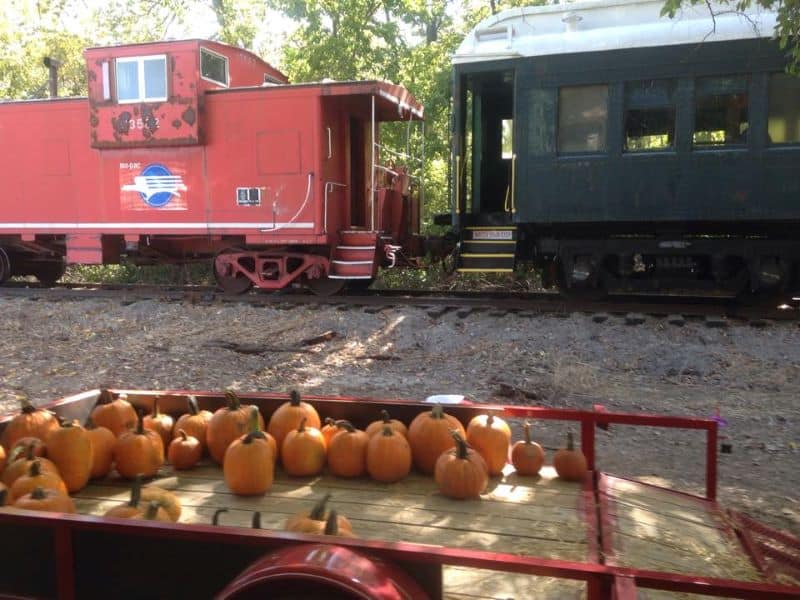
(571, 21)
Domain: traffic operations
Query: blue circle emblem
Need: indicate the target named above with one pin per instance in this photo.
(160, 185)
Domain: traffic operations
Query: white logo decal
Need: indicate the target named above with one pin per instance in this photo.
(150, 185)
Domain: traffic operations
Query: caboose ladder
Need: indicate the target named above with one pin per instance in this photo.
(354, 257)
(488, 250)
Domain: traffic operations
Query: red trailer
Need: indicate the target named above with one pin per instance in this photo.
(606, 537)
(195, 150)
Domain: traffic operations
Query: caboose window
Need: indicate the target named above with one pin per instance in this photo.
(582, 118)
(649, 115)
(142, 78)
(720, 111)
(213, 67)
(784, 109)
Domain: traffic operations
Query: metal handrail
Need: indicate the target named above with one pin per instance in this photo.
(329, 185)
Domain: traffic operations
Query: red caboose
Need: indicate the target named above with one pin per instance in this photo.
(191, 150)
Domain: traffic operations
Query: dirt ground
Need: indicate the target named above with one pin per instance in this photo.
(752, 374)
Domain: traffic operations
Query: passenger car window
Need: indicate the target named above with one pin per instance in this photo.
(213, 67)
(720, 111)
(783, 123)
(582, 118)
(141, 78)
(649, 115)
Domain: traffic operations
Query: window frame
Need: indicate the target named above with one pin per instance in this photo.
(225, 84)
(606, 128)
(724, 146)
(671, 106)
(768, 142)
(140, 78)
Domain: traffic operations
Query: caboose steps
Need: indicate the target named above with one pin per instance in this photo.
(354, 257)
(488, 249)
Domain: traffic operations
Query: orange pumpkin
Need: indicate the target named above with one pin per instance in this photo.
(429, 436)
(527, 456)
(3, 458)
(21, 466)
(194, 423)
(34, 478)
(569, 463)
(166, 500)
(249, 465)
(138, 451)
(329, 429)
(303, 451)
(388, 456)
(461, 472)
(159, 422)
(135, 508)
(227, 424)
(184, 451)
(102, 440)
(288, 415)
(314, 520)
(21, 448)
(491, 437)
(30, 422)
(70, 448)
(117, 415)
(347, 452)
(377, 426)
(46, 499)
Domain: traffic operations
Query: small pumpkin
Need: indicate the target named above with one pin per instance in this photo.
(527, 456)
(135, 508)
(20, 467)
(429, 436)
(184, 451)
(34, 478)
(329, 429)
(166, 500)
(491, 437)
(303, 451)
(461, 472)
(569, 463)
(227, 424)
(118, 414)
(377, 426)
(138, 451)
(159, 422)
(21, 448)
(102, 440)
(70, 448)
(388, 456)
(314, 520)
(194, 423)
(29, 422)
(249, 465)
(347, 452)
(46, 499)
(288, 415)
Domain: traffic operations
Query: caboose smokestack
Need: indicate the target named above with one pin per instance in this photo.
(53, 64)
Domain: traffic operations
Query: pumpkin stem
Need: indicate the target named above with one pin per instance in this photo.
(3, 494)
(570, 441)
(105, 397)
(332, 523)
(527, 427)
(152, 510)
(26, 406)
(318, 511)
(38, 493)
(136, 491)
(183, 435)
(217, 513)
(256, 521)
(156, 412)
(139, 422)
(233, 400)
(294, 398)
(385, 415)
(387, 431)
(437, 412)
(90, 424)
(461, 445)
(302, 426)
(35, 469)
(67, 424)
(193, 408)
(346, 425)
(329, 421)
(489, 420)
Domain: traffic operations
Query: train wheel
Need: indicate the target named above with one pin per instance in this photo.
(228, 278)
(359, 285)
(324, 286)
(48, 272)
(5, 265)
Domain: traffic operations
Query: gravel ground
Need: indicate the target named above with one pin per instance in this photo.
(752, 375)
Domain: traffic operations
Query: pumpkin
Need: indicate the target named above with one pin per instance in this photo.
(154, 512)
(249, 465)
(569, 463)
(135, 508)
(429, 436)
(21, 448)
(30, 422)
(388, 456)
(46, 499)
(70, 448)
(138, 451)
(117, 415)
(347, 452)
(527, 456)
(461, 472)
(303, 451)
(226, 425)
(377, 426)
(491, 437)
(21, 466)
(332, 526)
(3, 458)
(102, 440)
(166, 500)
(184, 451)
(288, 415)
(159, 422)
(329, 429)
(34, 478)
(194, 423)
(314, 520)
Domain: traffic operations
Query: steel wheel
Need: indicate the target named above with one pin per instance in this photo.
(229, 280)
(48, 272)
(325, 286)
(5, 265)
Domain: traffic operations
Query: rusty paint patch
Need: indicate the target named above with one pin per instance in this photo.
(122, 123)
(177, 123)
(93, 120)
(189, 116)
(92, 75)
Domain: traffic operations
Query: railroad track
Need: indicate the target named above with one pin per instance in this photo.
(717, 312)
